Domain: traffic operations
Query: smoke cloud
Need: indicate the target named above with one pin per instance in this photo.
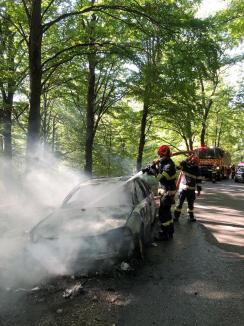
(27, 253)
(25, 199)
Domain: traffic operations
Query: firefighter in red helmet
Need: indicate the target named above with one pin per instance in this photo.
(189, 180)
(163, 151)
(165, 172)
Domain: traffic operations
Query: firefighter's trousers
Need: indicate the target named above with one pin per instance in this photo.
(190, 196)
(165, 216)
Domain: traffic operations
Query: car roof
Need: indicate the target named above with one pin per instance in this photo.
(101, 180)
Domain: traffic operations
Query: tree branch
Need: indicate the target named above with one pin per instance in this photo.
(26, 11)
(16, 26)
(72, 48)
(24, 35)
(96, 9)
(47, 8)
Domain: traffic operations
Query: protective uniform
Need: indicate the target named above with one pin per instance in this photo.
(165, 172)
(233, 171)
(190, 179)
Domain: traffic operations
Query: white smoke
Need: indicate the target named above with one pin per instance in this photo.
(25, 199)
(28, 198)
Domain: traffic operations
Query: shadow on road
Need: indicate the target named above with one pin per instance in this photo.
(220, 211)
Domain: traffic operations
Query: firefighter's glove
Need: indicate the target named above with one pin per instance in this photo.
(150, 170)
(161, 191)
(199, 189)
(144, 170)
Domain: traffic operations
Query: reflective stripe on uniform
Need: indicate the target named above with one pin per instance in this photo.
(166, 175)
(168, 222)
(190, 175)
(189, 187)
(190, 210)
(171, 192)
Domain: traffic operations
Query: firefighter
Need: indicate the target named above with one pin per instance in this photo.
(165, 172)
(189, 180)
(233, 171)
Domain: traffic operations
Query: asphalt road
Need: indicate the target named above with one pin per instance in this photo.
(195, 279)
(221, 211)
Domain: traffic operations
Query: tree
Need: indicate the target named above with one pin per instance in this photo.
(36, 18)
(13, 71)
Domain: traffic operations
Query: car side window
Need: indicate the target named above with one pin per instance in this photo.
(140, 192)
(145, 187)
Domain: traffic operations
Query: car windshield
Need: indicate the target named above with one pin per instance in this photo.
(100, 194)
(240, 169)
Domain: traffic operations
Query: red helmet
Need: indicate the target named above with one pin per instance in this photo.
(163, 150)
(195, 160)
(202, 148)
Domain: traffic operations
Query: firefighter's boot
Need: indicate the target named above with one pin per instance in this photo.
(191, 217)
(164, 236)
(176, 215)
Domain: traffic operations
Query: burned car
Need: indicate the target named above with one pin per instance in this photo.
(99, 220)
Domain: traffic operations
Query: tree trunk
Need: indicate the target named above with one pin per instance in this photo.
(35, 69)
(191, 144)
(7, 88)
(90, 115)
(142, 132)
(7, 125)
(44, 121)
(203, 133)
(53, 134)
(204, 122)
(186, 142)
(110, 152)
(219, 133)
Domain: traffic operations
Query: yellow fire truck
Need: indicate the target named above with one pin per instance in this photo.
(214, 162)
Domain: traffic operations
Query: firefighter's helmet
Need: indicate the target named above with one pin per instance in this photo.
(164, 150)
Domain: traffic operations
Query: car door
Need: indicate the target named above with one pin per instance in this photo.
(151, 204)
(144, 208)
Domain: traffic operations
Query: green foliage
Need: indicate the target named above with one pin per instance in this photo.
(231, 22)
(146, 52)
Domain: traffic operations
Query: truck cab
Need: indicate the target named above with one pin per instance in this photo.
(213, 161)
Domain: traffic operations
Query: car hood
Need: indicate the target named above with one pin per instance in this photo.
(81, 222)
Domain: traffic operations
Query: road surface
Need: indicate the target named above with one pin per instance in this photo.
(196, 279)
(221, 211)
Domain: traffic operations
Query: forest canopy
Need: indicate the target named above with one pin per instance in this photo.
(102, 83)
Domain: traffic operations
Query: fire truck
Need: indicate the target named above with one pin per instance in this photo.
(214, 162)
